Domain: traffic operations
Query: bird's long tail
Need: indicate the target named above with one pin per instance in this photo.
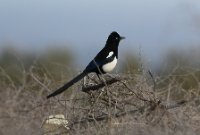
(69, 84)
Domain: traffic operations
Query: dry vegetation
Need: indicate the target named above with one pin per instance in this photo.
(139, 103)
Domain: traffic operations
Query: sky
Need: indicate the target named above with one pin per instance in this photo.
(155, 26)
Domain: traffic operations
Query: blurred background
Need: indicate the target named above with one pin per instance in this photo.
(162, 34)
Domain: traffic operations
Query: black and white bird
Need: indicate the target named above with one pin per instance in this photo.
(105, 61)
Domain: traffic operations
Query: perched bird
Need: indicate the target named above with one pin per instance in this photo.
(104, 62)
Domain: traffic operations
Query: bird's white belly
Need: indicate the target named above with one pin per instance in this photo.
(110, 66)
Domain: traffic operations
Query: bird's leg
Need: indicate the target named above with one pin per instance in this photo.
(102, 79)
(98, 70)
(98, 77)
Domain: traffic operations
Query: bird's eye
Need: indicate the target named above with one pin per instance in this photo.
(116, 38)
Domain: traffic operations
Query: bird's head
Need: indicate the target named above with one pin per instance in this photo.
(114, 38)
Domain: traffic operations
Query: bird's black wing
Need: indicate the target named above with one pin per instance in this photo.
(96, 65)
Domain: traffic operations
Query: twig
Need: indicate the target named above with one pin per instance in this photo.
(38, 81)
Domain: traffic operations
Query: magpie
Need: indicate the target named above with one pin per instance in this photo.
(104, 62)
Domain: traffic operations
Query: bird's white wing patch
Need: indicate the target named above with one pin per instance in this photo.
(110, 54)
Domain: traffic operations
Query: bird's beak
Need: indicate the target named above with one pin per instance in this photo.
(121, 38)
